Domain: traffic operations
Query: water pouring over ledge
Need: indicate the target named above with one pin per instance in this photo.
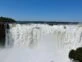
(42, 42)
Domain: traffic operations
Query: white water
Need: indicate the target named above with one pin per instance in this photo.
(42, 42)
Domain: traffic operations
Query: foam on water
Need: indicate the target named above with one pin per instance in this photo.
(44, 43)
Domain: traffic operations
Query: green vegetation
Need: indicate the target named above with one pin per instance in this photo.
(76, 54)
(6, 19)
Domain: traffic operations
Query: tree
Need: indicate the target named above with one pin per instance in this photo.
(6, 19)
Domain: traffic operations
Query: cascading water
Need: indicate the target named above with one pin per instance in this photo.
(50, 43)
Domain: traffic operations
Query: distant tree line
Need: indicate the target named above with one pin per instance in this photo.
(6, 19)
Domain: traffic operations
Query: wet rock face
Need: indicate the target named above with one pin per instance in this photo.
(2, 31)
(3, 28)
(2, 34)
(76, 54)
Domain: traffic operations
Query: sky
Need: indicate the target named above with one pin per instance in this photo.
(46, 10)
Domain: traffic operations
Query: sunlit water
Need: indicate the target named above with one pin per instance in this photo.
(41, 42)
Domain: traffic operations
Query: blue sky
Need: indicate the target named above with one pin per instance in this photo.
(59, 10)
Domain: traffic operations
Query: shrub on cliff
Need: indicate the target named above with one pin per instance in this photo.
(76, 54)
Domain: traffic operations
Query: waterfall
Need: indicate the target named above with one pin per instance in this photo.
(28, 35)
(45, 37)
